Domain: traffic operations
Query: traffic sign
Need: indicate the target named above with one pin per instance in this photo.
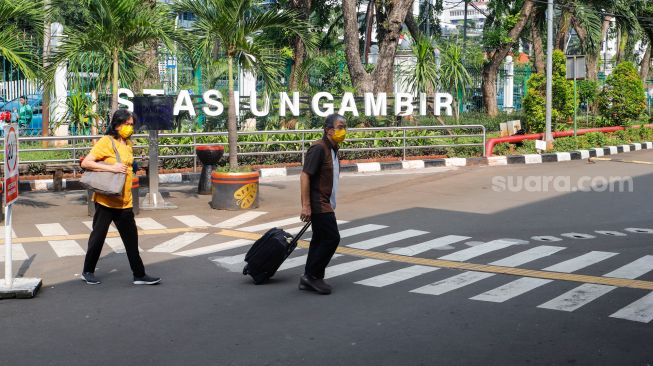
(11, 164)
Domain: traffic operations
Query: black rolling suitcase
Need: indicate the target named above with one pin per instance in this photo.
(268, 253)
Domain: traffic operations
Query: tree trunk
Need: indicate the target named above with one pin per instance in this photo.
(491, 67)
(114, 82)
(148, 58)
(563, 31)
(645, 66)
(383, 74)
(621, 52)
(369, 20)
(538, 50)
(299, 49)
(360, 79)
(411, 24)
(232, 128)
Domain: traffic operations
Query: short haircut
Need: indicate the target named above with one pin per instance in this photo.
(332, 119)
(23, 97)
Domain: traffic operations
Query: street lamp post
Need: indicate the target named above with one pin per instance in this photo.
(549, 73)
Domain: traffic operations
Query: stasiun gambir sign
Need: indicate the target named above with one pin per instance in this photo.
(322, 104)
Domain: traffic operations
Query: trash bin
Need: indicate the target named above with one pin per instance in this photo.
(209, 157)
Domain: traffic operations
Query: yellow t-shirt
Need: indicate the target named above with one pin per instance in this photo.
(103, 151)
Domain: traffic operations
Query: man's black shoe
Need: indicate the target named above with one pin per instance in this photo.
(146, 280)
(307, 282)
(89, 278)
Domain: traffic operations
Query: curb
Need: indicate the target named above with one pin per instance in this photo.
(373, 167)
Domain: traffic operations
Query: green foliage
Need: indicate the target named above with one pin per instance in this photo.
(562, 101)
(16, 16)
(587, 91)
(424, 77)
(622, 98)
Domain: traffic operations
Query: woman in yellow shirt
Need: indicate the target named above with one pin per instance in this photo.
(116, 209)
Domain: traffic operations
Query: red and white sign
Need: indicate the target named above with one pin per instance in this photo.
(11, 164)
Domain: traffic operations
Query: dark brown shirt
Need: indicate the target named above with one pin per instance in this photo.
(318, 164)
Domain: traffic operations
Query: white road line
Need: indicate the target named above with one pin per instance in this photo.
(18, 253)
(610, 233)
(527, 256)
(66, 248)
(344, 268)
(51, 229)
(178, 242)
(270, 225)
(577, 297)
(147, 223)
(546, 238)
(2, 232)
(192, 221)
(360, 230)
(577, 236)
(633, 269)
(512, 289)
(239, 220)
(231, 260)
(89, 225)
(639, 311)
(452, 283)
(397, 276)
(215, 248)
(475, 251)
(387, 239)
(117, 246)
(295, 262)
(428, 245)
(580, 262)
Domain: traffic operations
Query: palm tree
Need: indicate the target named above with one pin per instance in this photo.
(453, 74)
(113, 32)
(424, 77)
(14, 15)
(240, 30)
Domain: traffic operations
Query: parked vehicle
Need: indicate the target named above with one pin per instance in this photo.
(36, 102)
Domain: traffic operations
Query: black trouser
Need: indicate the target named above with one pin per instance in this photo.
(126, 225)
(324, 243)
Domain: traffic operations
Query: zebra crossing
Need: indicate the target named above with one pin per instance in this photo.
(383, 238)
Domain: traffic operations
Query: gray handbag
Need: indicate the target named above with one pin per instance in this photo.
(106, 183)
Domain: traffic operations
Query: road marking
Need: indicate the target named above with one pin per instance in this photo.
(633, 269)
(478, 250)
(117, 246)
(585, 260)
(399, 275)
(360, 230)
(625, 161)
(239, 220)
(512, 289)
(215, 248)
(610, 233)
(178, 242)
(452, 283)
(192, 221)
(18, 253)
(639, 230)
(2, 232)
(428, 245)
(298, 262)
(527, 256)
(231, 260)
(639, 311)
(577, 297)
(387, 239)
(51, 229)
(270, 225)
(546, 238)
(67, 248)
(344, 268)
(577, 236)
(89, 225)
(147, 223)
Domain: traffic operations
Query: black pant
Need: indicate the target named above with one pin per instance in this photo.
(126, 225)
(324, 243)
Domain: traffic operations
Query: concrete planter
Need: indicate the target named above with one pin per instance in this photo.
(235, 191)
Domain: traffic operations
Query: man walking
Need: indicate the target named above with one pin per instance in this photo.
(319, 185)
(24, 113)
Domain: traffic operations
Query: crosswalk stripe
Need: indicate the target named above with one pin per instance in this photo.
(270, 225)
(241, 219)
(147, 223)
(580, 262)
(478, 250)
(51, 229)
(633, 269)
(117, 245)
(89, 225)
(298, 262)
(360, 230)
(18, 253)
(215, 248)
(452, 283)
(387, 239)
(2, 232)
(66, 248)
(234, 259)
(297, 229)
(638, 311)
(344, 268)
(428, 245)
(192, 221)
(512, 289)
(577, 297)
(399, 275)
(178, 242)
(527, 256)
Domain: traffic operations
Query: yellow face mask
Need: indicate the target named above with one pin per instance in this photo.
(339, 136)
(126, 131)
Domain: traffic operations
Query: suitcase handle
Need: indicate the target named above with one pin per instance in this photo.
(293, 243)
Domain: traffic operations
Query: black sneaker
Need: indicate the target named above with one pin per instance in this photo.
(89, 278)
(310, 283)
(146, 280)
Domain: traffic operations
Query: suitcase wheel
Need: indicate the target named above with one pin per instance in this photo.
(245, 271)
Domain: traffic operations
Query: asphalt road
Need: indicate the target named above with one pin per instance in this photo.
(400, 299)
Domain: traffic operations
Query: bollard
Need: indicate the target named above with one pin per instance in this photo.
(135, 201)
(209, 156)
(234, 191)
